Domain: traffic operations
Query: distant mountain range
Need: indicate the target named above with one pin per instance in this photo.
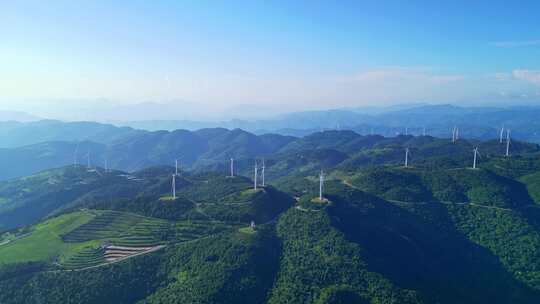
(133, 150)
(212, 149)
(46, 144)
(437, 120)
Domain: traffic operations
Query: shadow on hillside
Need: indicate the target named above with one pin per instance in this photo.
(425, 253)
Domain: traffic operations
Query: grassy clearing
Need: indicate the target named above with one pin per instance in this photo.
(247, 230)
(167, 198)
(45, 242)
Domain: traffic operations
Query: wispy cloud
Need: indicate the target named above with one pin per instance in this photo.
(516, 44)
(531, 76)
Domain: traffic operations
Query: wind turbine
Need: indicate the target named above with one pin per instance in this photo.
(454, 135)
(232, 167)
(174, 186)
(457, 133)
(407, 157)
(501, 135)
(507, 143)
(321, 185)
(255, 176)
(475, 157)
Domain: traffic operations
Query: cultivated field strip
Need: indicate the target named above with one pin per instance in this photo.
(85, 258)
(122, 234)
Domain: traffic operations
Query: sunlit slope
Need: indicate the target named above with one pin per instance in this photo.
(84, 238)
(43, 242)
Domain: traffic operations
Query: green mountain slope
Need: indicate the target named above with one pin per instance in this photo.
(435, 232)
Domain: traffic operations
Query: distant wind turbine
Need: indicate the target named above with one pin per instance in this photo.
(507, 143)
(476, 154)
(321, 185)
(174, 186)
(255, 176)
(407, 157)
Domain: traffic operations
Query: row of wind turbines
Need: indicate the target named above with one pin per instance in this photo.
(455, 138)
(260, 171)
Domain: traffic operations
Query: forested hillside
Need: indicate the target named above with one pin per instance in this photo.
(436, 231)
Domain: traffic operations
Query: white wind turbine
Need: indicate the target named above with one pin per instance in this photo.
(507, 143)
(476, 155)
(321, 185)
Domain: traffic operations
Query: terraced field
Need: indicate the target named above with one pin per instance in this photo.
(88, 238)
(124, 234)
(85, 258)
(113, 225)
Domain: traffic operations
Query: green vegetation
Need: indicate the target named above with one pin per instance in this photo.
(44, 241)
(436, 232)
(532, 182)
(317, 258)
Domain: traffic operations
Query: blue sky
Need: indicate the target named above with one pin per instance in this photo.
(303, 55)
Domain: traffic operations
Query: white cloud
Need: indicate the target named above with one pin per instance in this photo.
(531, 76)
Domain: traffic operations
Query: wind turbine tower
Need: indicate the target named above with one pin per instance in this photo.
(457, 133)
(475, 157)
(232, 167)
(321, 185)
(407, 157)
(507, 143)
(255, 176)
(501, 135)
(174, 186)
(454, 135)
